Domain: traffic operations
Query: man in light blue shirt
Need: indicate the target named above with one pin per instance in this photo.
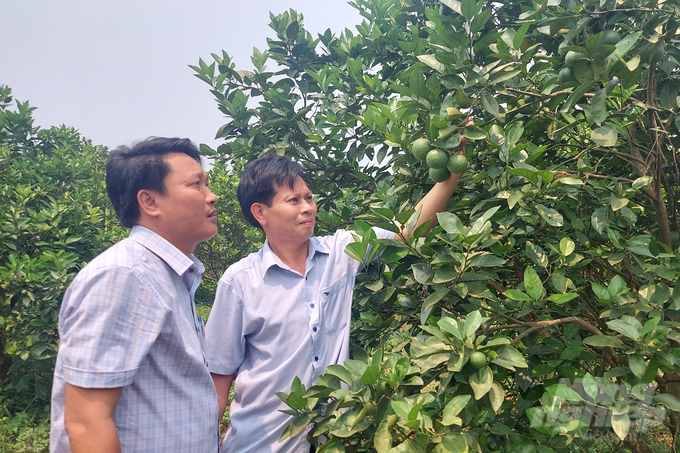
(131, 371)
(285, 310)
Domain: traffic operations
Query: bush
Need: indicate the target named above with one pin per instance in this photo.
(55, 217)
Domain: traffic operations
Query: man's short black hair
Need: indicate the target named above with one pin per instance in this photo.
(261, 180)
(143, 166)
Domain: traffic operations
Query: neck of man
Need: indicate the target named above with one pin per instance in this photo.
(293, 255)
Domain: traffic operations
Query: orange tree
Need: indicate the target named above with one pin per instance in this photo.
(542, 312)
(54, 218)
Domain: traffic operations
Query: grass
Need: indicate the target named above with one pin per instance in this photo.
(655, 435)
(25, 433)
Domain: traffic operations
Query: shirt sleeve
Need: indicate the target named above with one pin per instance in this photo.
(225, 341)
(109, 320)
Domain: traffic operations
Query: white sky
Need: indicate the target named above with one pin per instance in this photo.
(117, 70)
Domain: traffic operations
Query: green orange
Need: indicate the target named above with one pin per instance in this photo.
(477, 360)
(457, 163)
(439, 174)
(436, 158)
(420, 148)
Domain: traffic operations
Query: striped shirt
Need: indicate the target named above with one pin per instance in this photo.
(128, 320)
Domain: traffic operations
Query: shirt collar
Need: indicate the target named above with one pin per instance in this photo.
(156, 244)
(270, 259)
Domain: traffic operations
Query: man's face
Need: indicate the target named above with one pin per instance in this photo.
(292, 215)
(187, 209)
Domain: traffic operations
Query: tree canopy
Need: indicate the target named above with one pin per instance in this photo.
(557, 259)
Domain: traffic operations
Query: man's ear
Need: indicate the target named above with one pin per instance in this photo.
(257, 210)
(147, 203)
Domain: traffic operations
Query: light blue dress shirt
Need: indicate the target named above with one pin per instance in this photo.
(270, 323)
(128, 320)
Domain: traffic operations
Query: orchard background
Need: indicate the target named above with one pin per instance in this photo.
(557, 258)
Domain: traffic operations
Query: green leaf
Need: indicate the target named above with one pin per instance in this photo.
(474, 133)
(341, 373)
(371, 374)
(600, 291)
(564, 392)
(567, 246)
(516, 295)
(526, 173)
(514, 198)
(408, 446)
(356, 250)
(356, 367)
(621, 425)
(605, 135)
(382, 441)
(452, 443)
(298, 425)
(562, 298)
(421, 272)
(453, 408)
(472, 323)
(496, 396)
(445, 274)
(430, 302)
(538, 419)
(481, 381)
(618, 203)
(590, 386)
(432, 62)
(537, 254)
(469, 9)
(642, 182)
(617, 286)
(624, 328)
(599, 219)
(668, 400)
(510, 358)
(487, 260)
(597, 112)
(451, 223)
(551, 216)
(532, 283)
(603, 341)
(490, 104)
(637, 365)
(575, 96)
(401, 408)
(449, 325)
(503, 76)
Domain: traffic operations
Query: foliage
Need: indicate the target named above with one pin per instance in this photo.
(55, 217)
(235, 237)
(558, 256)
(24, 433)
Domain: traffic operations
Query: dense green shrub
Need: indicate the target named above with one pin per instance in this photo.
(54, 217)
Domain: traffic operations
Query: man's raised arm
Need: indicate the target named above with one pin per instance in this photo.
(437, 198)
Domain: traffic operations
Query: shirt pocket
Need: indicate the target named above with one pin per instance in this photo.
(336, 305)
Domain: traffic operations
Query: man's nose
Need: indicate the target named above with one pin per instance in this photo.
(211, 198)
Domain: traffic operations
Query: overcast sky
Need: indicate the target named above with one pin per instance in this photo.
(118, 70)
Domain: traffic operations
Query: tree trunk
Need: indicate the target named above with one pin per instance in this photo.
(637, 445)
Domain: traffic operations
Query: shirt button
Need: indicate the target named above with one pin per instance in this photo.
(316, 359)
(311, 305)
(314, 329)
(191, 269)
